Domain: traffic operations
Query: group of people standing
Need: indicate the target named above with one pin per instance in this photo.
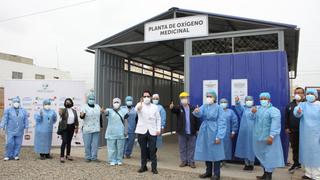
(205, 133)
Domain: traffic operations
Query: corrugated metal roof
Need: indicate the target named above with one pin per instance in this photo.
(170, 51)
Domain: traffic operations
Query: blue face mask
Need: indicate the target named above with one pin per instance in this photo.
(310, 98)
(91, 101)
(224, 105)
(129, 103)
(264, 103)
(155, 101)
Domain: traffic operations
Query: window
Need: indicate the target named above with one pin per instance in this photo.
(17, 75)
(39, 76)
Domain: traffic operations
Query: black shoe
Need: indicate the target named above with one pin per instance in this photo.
(48, 156)
(294, 167)
(42, 157)
(305, 177)
(250, 168)
(246, 168)
(205, 175)
(268, 176)
(155, 171)
(263, 177)
(142, 169)
(215, 177)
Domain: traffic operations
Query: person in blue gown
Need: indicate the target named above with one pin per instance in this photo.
(45, 119)
(266, 136)
(14, 122)
(209, 144)
(232, 128)
(163, 115)
(309, 148)
(244, 146)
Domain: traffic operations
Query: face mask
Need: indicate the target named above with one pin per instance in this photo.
(16, 104)
(155, 101)
(297, 97)
(264, 103)
(46, 107)
(129, 103)
(224, 105)
(116, 105)
(249, 103)
(91, 101)
(146, 100)
(184, 101)
(68, 105)
(210, 100)
(310, 98)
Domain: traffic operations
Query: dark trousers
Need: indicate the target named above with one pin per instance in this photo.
(66, 139)
(216, 167)
(187, 145)
(148, 141)
(294, 140)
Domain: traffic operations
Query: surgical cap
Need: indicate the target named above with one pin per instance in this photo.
(312, 91)
(129, 98)
(46, 102)
(265, 94)
(223, 100)
(213, 93)
(16, 99)
(248, 98)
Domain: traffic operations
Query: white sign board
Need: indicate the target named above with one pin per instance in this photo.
(209, 85)
(239, 87)
(33, 92)
(177, 28)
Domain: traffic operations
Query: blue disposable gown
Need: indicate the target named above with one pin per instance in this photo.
(213, 126)
(309, 147)
(15, 124)
(163, 116)
(132, 115)
(244, 147)
(268, 123)
(232, 126)
(43, 131)
(115, 127)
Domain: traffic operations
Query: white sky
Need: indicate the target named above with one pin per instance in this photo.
(69, 31)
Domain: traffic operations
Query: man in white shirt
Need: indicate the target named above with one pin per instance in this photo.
(148, 128)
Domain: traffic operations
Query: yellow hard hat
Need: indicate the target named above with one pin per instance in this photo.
(184, 94)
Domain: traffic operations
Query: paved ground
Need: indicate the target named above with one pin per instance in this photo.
(31, 167)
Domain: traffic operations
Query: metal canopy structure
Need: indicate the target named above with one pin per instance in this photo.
(169, 55)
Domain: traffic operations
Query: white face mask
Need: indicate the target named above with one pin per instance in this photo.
(249, 103)
(297, 97)
(16, 104)
(146, 100)
(184, 101)
(129, 103)
(116, 105)
(46, 107)
(210, 100)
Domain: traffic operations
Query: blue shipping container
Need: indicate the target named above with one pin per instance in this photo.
(265, 71)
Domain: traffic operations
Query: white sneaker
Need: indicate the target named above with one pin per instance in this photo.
(16, 158)
(112, 164)
(6, 159)
(120, 163)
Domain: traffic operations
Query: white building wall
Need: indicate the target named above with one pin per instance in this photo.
(29, 71)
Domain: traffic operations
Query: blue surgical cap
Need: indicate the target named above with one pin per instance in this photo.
(46, 102)
(16, 99)
(223, 100)
(213, 93)
(312, 91)
(248, 98)
(265, 94)
(129, 98)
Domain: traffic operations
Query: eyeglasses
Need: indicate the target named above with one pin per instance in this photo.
(209, 96)
(146, 96)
